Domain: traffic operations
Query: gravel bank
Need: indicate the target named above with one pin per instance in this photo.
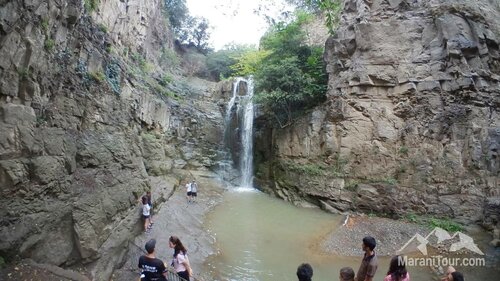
(390, 235)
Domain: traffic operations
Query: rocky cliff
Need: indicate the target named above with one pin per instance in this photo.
(92, 113)
(412, 121)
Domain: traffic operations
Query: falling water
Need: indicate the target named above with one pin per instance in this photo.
(233, 99)
(247, 137)
(241, 132)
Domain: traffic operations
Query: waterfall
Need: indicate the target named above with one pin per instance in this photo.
(238, 133)
(246, 166)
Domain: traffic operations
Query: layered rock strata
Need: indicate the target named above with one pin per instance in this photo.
(412, 120)
(85, 128)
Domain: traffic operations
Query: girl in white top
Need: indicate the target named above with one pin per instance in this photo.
(180, 261)
(145, 212)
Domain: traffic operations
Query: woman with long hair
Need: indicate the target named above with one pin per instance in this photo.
(180, 262)
(397, 270)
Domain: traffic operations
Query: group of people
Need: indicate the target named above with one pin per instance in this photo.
(192, 191)
(369, 264)
(147, 204)
(154, 269)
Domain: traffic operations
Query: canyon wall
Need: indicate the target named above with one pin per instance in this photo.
(412, 123)
(92, 115)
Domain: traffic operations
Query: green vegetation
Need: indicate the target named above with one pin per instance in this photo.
(411, 217)
(191, 31)
(24, 72)
(113, 76)
(250, 62)
(97, 76)
(338, 166)
(169, 58)
(432, 222)
(45, 25)
(290, 77)
(2, 262)
(177, 12)
(351, 185)
(331, 10)
(446, 224)
(195, 32)
(403, 150)
(149, 136)
(91, 5)
(222, 64)
(311, 169)
(103, 28)
(147, 67)
(49, 44)
(391, 181)
(144, 66)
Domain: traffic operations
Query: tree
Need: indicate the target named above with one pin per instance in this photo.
(195, 31)
(177, 13)
(291, 76)
(220, 63)
(250, 62)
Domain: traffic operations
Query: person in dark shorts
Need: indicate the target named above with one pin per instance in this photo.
(369, 264)
(145, 213)
(346, 274)
(150, 203)
(188, 191)
(305, 272)
(153, 269)
(194, 190)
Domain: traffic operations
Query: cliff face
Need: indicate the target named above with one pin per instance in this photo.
(412, 120)
(89, 119)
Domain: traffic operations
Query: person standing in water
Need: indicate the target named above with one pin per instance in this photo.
(180, 261)
(194, 190)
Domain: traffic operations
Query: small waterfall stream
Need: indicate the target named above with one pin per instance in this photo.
(239, 129)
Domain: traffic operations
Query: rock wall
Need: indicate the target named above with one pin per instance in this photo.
(88, 120)
(412, 120)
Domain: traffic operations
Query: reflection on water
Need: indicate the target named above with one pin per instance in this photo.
(262, 238)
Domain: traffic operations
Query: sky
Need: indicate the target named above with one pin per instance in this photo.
(232, 20)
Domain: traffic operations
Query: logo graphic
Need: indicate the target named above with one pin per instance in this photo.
(418, 242)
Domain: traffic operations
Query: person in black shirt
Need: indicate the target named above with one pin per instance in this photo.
(153, 269)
